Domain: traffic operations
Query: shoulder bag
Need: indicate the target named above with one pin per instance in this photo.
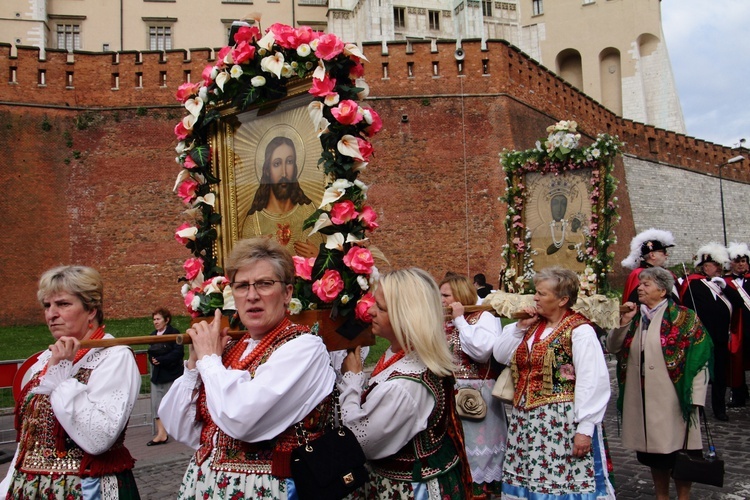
(330, 467)
(704, 470)
(504, 387)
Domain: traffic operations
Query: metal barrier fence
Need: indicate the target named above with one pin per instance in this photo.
(8, 369)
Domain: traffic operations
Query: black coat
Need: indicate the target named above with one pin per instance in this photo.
(170, 357)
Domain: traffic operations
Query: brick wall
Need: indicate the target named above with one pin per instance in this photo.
(88, 170)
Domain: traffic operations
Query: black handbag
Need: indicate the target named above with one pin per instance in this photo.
(699, 469)
(330, 467)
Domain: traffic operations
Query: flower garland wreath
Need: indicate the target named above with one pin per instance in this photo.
(561, 153)
(254, 71)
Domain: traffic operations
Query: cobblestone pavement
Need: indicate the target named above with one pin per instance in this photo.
(159, 469)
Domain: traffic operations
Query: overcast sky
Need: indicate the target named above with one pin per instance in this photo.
(709, 48)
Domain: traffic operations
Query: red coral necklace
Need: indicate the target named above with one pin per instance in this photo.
(232, 358)
(383, 363)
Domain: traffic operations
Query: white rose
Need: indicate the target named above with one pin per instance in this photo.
(344, 299)
(236, 71)
(195, 303)
(362, 282)
(304, 50)
(185, 289)
(258, 81)
(295, 306)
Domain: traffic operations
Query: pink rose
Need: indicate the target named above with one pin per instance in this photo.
(206, 75)
(189, 301)
(324, 87)
(246, 34)
(329, 46)
(329, 286)
(186, 191)
(243, 52)
(221, 55)
(369, 217)
(347, 112)
(343, 212)
(181, 131)
(189, 163)
(193, 267)
(376, 124)
(365, 149)
(284, 35)
(305, 34)
(186, 91)
(361, 311)
(357, 71)
(303, 267)
(359, 260)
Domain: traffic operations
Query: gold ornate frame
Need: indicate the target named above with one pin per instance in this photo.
(238, 141)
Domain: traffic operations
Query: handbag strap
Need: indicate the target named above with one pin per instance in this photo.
(709, 439)
(336, 422)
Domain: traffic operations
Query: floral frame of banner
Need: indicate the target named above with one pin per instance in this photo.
(256, 71)
(558, 154)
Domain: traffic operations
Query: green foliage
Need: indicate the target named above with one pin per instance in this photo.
(68, 139)
(46, 125)
(76, 154)
(84, 120)
(141, 111)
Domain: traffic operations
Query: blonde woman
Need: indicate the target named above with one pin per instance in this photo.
(404, 415)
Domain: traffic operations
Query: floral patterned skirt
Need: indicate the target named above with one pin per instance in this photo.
(445, 486)
(24, 486)
(539, 460)
(201, 481)
(485, 440)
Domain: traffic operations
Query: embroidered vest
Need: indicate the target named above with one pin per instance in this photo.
(546, 374)
(45, 448)
(272, 456)
(431, 452)
(468, 368)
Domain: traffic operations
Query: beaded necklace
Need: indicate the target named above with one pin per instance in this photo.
(232, 357)
(383, 363)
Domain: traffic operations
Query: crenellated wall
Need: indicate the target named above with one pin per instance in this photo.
(89, 167)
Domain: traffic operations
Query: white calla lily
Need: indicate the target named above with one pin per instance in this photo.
(228, 299)
(188, 233)
(181, 177)
(350, 238)
(322, 127)
(362, 95)
(353, 49)
(335, 241)
(221, 79)
(273, 64)
(315, 110)
(267, 41)
(185, 289)
(209, 199)
(349, 146)
(194, 106)
(335, 191)
(287, 71)
(323, 221)
(189, 121)
(320, 71)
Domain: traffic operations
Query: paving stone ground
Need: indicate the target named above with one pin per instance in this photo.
(159, 469)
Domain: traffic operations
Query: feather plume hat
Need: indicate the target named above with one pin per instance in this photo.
(646, 242)
(737, 250)
(711, 252)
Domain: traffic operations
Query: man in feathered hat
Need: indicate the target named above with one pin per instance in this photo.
(712, 300)
(647, 249)
(739, 333)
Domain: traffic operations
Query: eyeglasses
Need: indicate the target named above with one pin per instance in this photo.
(263, 287)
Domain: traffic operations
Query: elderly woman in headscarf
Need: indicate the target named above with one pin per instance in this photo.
(555, 440)
(663, 355)
(72, 414)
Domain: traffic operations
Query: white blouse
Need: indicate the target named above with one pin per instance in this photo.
(395, 410)
(478, 340)
(288, 386)
(592, 389)
(93, 414)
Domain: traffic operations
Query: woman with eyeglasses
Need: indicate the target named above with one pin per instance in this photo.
(239, 403)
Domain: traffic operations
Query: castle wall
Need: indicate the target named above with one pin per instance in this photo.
(89, 170)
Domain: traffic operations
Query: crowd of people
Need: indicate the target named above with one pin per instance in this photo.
(246, 405)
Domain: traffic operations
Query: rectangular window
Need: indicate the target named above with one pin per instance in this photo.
(385, 70)
(399, 17)
(485, 66)
(160, 38)
(487, 8)
(69, 79)
(139, 80)
(434, 16)
(163, 78)
(69, 36)
(537, 8)
(42, 77)
(105, 47)
(13, 76)
(186, 76)
(586, 2)
(115, 80)
(410, 69)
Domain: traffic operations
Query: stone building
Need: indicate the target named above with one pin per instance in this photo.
(611, 50)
